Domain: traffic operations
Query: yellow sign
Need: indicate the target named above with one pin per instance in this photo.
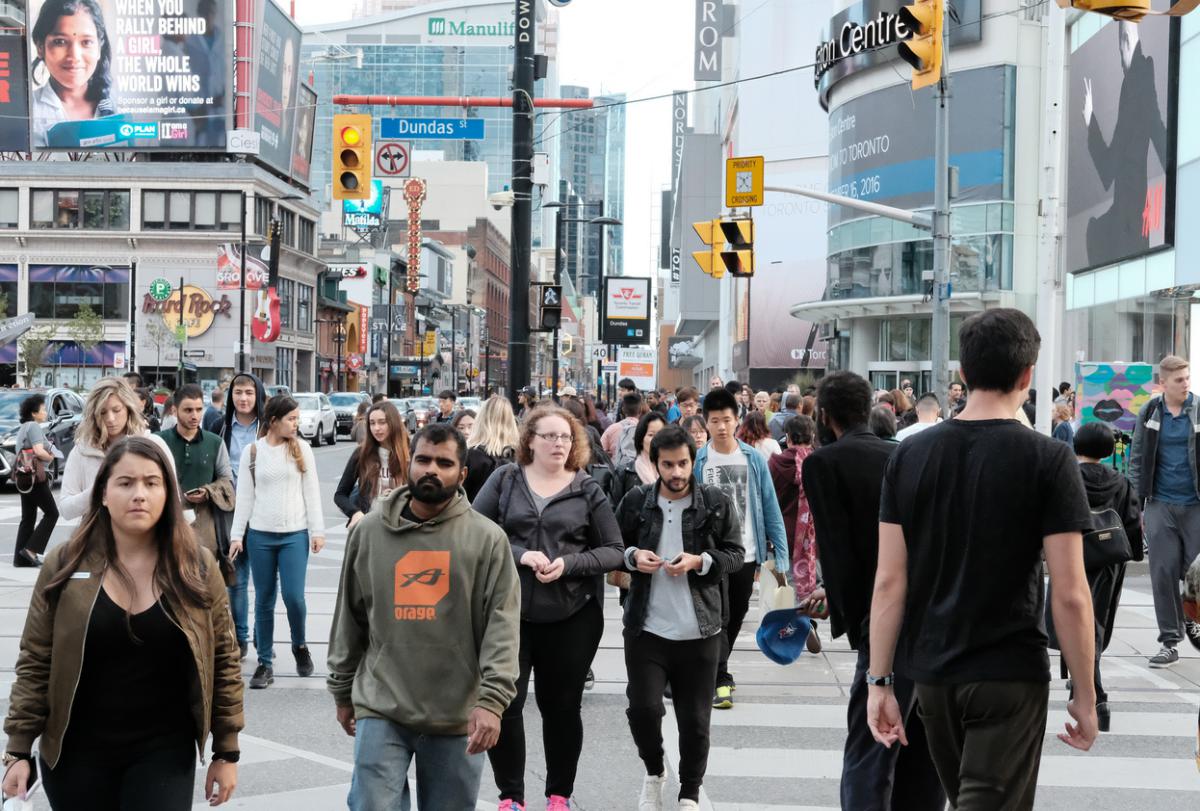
(430, 346)
(199, 309)
(743, 182)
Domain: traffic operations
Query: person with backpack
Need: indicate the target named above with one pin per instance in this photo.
(617, 440)
(29, 476)
(378, 465)
(493, 443)
(278, 516)
(1113, 503)
(640, 470)
(564, 538)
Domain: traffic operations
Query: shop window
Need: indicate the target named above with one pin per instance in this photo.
(58, 291)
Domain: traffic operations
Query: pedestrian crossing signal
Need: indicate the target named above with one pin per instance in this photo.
(924, 51)
(549, 298)
(738, 258)
(352, 156)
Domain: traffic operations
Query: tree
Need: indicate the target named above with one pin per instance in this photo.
(34, 346)
(158, 335)
(86, 329)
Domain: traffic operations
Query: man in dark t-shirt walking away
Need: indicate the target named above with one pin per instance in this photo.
(967, 510)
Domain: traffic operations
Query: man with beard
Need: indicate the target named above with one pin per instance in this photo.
(424, 572)
(842, 480)
(682, 540)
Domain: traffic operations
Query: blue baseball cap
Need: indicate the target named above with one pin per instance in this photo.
(782, 635)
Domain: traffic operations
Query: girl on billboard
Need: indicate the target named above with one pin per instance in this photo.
(72, 44)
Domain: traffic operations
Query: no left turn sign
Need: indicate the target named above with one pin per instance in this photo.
(392, 158)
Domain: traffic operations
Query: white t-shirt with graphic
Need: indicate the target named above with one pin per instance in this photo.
(730, 473)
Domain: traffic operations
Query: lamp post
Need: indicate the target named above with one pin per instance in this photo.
(338, 337)
(560, 256)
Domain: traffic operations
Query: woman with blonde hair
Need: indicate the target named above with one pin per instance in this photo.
(564, 538)
(493, 442)
(278, 516)
(378, 465)
(112, 412)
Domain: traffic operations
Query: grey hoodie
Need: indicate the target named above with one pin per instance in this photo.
(426, 624)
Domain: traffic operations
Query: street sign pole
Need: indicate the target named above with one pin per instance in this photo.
(522, 187)
(940, 354)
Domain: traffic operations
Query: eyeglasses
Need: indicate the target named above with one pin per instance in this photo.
(554, 439)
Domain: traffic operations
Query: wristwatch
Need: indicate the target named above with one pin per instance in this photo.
(881, 681)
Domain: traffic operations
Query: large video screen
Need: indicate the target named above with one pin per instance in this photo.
(276, 88)
(1121, 143)
(130, 74)
(306, 119)
(14, 95)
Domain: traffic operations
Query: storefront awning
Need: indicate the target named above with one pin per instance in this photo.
(887, 306)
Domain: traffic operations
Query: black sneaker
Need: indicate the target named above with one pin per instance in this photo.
(304, 663)
(262, 678)
(1165, 657)
(244, 647)
(1192, 629)
(590, 680)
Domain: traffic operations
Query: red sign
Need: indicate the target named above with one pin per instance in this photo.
(354, 363)
(414, 195)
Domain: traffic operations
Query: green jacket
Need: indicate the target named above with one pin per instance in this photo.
(426, 626)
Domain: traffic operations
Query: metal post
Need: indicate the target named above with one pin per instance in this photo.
(940, 328)
(522, 187)
(454, 346)
(558, 261)
(241, 363)
(338, 339)
(132, 315)
(182, 335)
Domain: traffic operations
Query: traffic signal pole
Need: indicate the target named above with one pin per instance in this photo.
(940, 328)
(522, 188)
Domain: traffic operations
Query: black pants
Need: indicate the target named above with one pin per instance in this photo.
(559, 653)
(690, 667)
(875, 778)
(29, 537)
(986, 739)
(741, 587)
(156, 775)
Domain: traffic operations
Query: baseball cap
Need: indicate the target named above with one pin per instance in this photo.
(782, 635)
(568, 391)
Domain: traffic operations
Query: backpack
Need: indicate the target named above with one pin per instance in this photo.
(626, 452)
(1106, 543)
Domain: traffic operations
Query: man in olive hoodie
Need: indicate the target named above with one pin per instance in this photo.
(423, 648)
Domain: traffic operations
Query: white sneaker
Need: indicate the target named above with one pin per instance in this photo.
(689, 805)
(652, 792)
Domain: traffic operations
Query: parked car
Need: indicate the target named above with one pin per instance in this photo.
(345, 406)
(64, 411)
(317, 419)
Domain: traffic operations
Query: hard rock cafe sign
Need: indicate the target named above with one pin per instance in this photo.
(199, 309)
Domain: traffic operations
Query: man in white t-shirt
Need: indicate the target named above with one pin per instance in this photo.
(741, 473)
(928, 409)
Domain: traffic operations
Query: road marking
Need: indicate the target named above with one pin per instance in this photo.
(332, 763)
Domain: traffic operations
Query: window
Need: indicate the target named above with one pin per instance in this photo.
(191, 211)
(304, 308)
(287, 299)
(285, 362)
(308, 237)
(97, 210)
(288, 221)
(9, 201)
(262, 215)
(58, 291)
(8, 289)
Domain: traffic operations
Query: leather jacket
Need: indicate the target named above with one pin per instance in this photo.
(709, 525)
(51, 659)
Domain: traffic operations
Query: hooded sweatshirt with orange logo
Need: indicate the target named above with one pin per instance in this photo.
(426, 624)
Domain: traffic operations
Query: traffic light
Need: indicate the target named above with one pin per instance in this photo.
(1131, 10)
(924, 51)
(711, 235)
(549, 307)
(352, 156)
(739, 259)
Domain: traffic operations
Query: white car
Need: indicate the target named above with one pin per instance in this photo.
(318, 420)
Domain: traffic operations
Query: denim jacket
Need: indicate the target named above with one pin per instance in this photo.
(765, 516)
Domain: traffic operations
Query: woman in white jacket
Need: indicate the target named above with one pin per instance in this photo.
(112, 412)
(278, 515)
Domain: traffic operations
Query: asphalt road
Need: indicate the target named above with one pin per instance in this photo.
(778, 749)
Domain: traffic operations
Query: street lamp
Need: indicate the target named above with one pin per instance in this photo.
(559, 257)
(338, 338)
(241, 359)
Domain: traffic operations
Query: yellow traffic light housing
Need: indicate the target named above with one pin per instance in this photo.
(739, 258)
(710, 234)
(352, 156)
(924, 51)
(1131, 10)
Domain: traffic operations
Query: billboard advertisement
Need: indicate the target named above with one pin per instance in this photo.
(14, 94)
(277, 86)
(638, 365)
(229, 269)
(306, 119)
(365, 215)
(881, 144)
(626, 310)
(130, 74)
(1121, 144)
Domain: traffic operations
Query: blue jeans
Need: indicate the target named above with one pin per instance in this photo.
(239, 600)
(277, 557)
(447, 777)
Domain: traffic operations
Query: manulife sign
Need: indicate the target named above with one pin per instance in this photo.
(443, 27)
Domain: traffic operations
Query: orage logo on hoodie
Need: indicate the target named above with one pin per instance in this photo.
(422, 581)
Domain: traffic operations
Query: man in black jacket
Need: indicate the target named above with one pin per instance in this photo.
(842, 480)
(681, 541)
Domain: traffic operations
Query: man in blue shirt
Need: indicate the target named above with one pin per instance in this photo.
(243, 415)
(1163, 468)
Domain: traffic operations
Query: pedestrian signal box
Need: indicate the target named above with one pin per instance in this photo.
(352, 156)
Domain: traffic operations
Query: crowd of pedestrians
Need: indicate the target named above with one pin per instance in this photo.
(482, 543)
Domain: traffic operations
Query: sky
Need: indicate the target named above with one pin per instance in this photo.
(636, 47)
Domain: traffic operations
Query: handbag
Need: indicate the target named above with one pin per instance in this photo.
(1106, 543)
(222, 526)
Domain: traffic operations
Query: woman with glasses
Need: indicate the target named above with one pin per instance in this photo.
(564, 538)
